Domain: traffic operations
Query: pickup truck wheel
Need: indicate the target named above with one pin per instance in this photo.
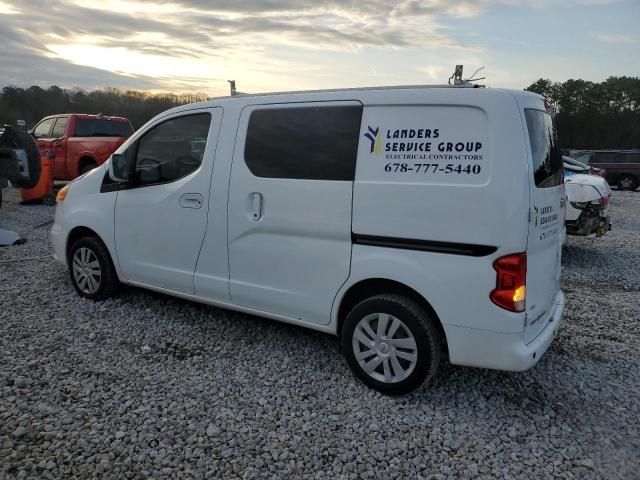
(391, 344)
(91, 269)
(87, 167)
(627, 182)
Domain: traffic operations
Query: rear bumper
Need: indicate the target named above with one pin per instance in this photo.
(502, 351)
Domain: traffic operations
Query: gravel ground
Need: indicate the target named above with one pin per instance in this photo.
(147, 386)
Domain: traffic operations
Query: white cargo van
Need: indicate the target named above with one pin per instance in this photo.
(413, 222)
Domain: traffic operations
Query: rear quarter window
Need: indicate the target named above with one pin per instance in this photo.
(545, 150)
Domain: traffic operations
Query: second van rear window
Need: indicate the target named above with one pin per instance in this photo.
(545, 150)
(309, 143)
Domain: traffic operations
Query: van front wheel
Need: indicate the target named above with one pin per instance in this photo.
(91, 269)
(391, 344)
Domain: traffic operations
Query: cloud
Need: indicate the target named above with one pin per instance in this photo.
(619, 38)
(142, 43)
(193, 44)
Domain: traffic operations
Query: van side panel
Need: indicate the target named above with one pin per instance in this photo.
(477, 216)
(444, 170)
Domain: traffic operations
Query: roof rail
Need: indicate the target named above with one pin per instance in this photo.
(458, 82)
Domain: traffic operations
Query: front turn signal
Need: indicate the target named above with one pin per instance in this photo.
(62, 194)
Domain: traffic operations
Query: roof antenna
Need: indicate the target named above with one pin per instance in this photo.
(232, 86)
(457, 76)
(474, 74)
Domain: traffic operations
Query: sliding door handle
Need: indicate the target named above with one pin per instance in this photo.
(256, 206)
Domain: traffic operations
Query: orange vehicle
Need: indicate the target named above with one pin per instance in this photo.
(80, 142)
(43, 190)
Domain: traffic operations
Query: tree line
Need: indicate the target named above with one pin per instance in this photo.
(592, 115)
(589, 115)
(34, 103)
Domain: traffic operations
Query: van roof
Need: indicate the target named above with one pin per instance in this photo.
(336, 90)
(216, 101)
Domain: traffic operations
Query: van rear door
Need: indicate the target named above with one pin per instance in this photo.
(546, 225)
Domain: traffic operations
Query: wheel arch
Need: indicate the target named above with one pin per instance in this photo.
(84, 160)
(76, 234)
(375, 286)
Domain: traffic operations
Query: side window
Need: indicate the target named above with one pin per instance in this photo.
(631, 158)
(545, 151)
(172, 149)
(60, 127)
(584, 157)
(43, 128)
(84, 128)
(310, 143)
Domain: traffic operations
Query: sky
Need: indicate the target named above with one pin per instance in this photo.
(275, 45)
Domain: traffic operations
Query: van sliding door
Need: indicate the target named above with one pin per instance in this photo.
(290, 207)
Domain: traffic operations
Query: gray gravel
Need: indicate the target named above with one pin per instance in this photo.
(147, 386)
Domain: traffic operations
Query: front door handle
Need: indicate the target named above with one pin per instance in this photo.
(191, 200)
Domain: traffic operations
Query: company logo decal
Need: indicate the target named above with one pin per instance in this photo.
(374, 137)
(546, 220)
(421, 150)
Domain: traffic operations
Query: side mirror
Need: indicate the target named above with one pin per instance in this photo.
(119, 167)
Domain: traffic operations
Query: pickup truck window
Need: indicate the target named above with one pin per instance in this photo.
(100, 127)
(43, 128)
(60, 127)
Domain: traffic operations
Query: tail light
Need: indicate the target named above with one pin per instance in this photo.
(511, 282)
(604, 201)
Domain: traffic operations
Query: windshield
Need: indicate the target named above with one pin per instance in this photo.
(545, 150)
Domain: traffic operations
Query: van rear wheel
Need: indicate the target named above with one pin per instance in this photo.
(391, 344)
(91, 270)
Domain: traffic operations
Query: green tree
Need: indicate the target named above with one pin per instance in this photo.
(35, 103)
(593, 115)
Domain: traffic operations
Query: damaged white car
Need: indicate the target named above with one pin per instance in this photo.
(588, 197)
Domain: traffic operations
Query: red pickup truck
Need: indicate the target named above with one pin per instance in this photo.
(80, 142)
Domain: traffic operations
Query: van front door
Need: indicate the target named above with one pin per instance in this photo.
(290, 207)
(161, 218)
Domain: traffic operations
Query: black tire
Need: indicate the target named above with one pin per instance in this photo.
(108, 284)
(627, 182)
(422, 327)
(25, 141)
(87, 167)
